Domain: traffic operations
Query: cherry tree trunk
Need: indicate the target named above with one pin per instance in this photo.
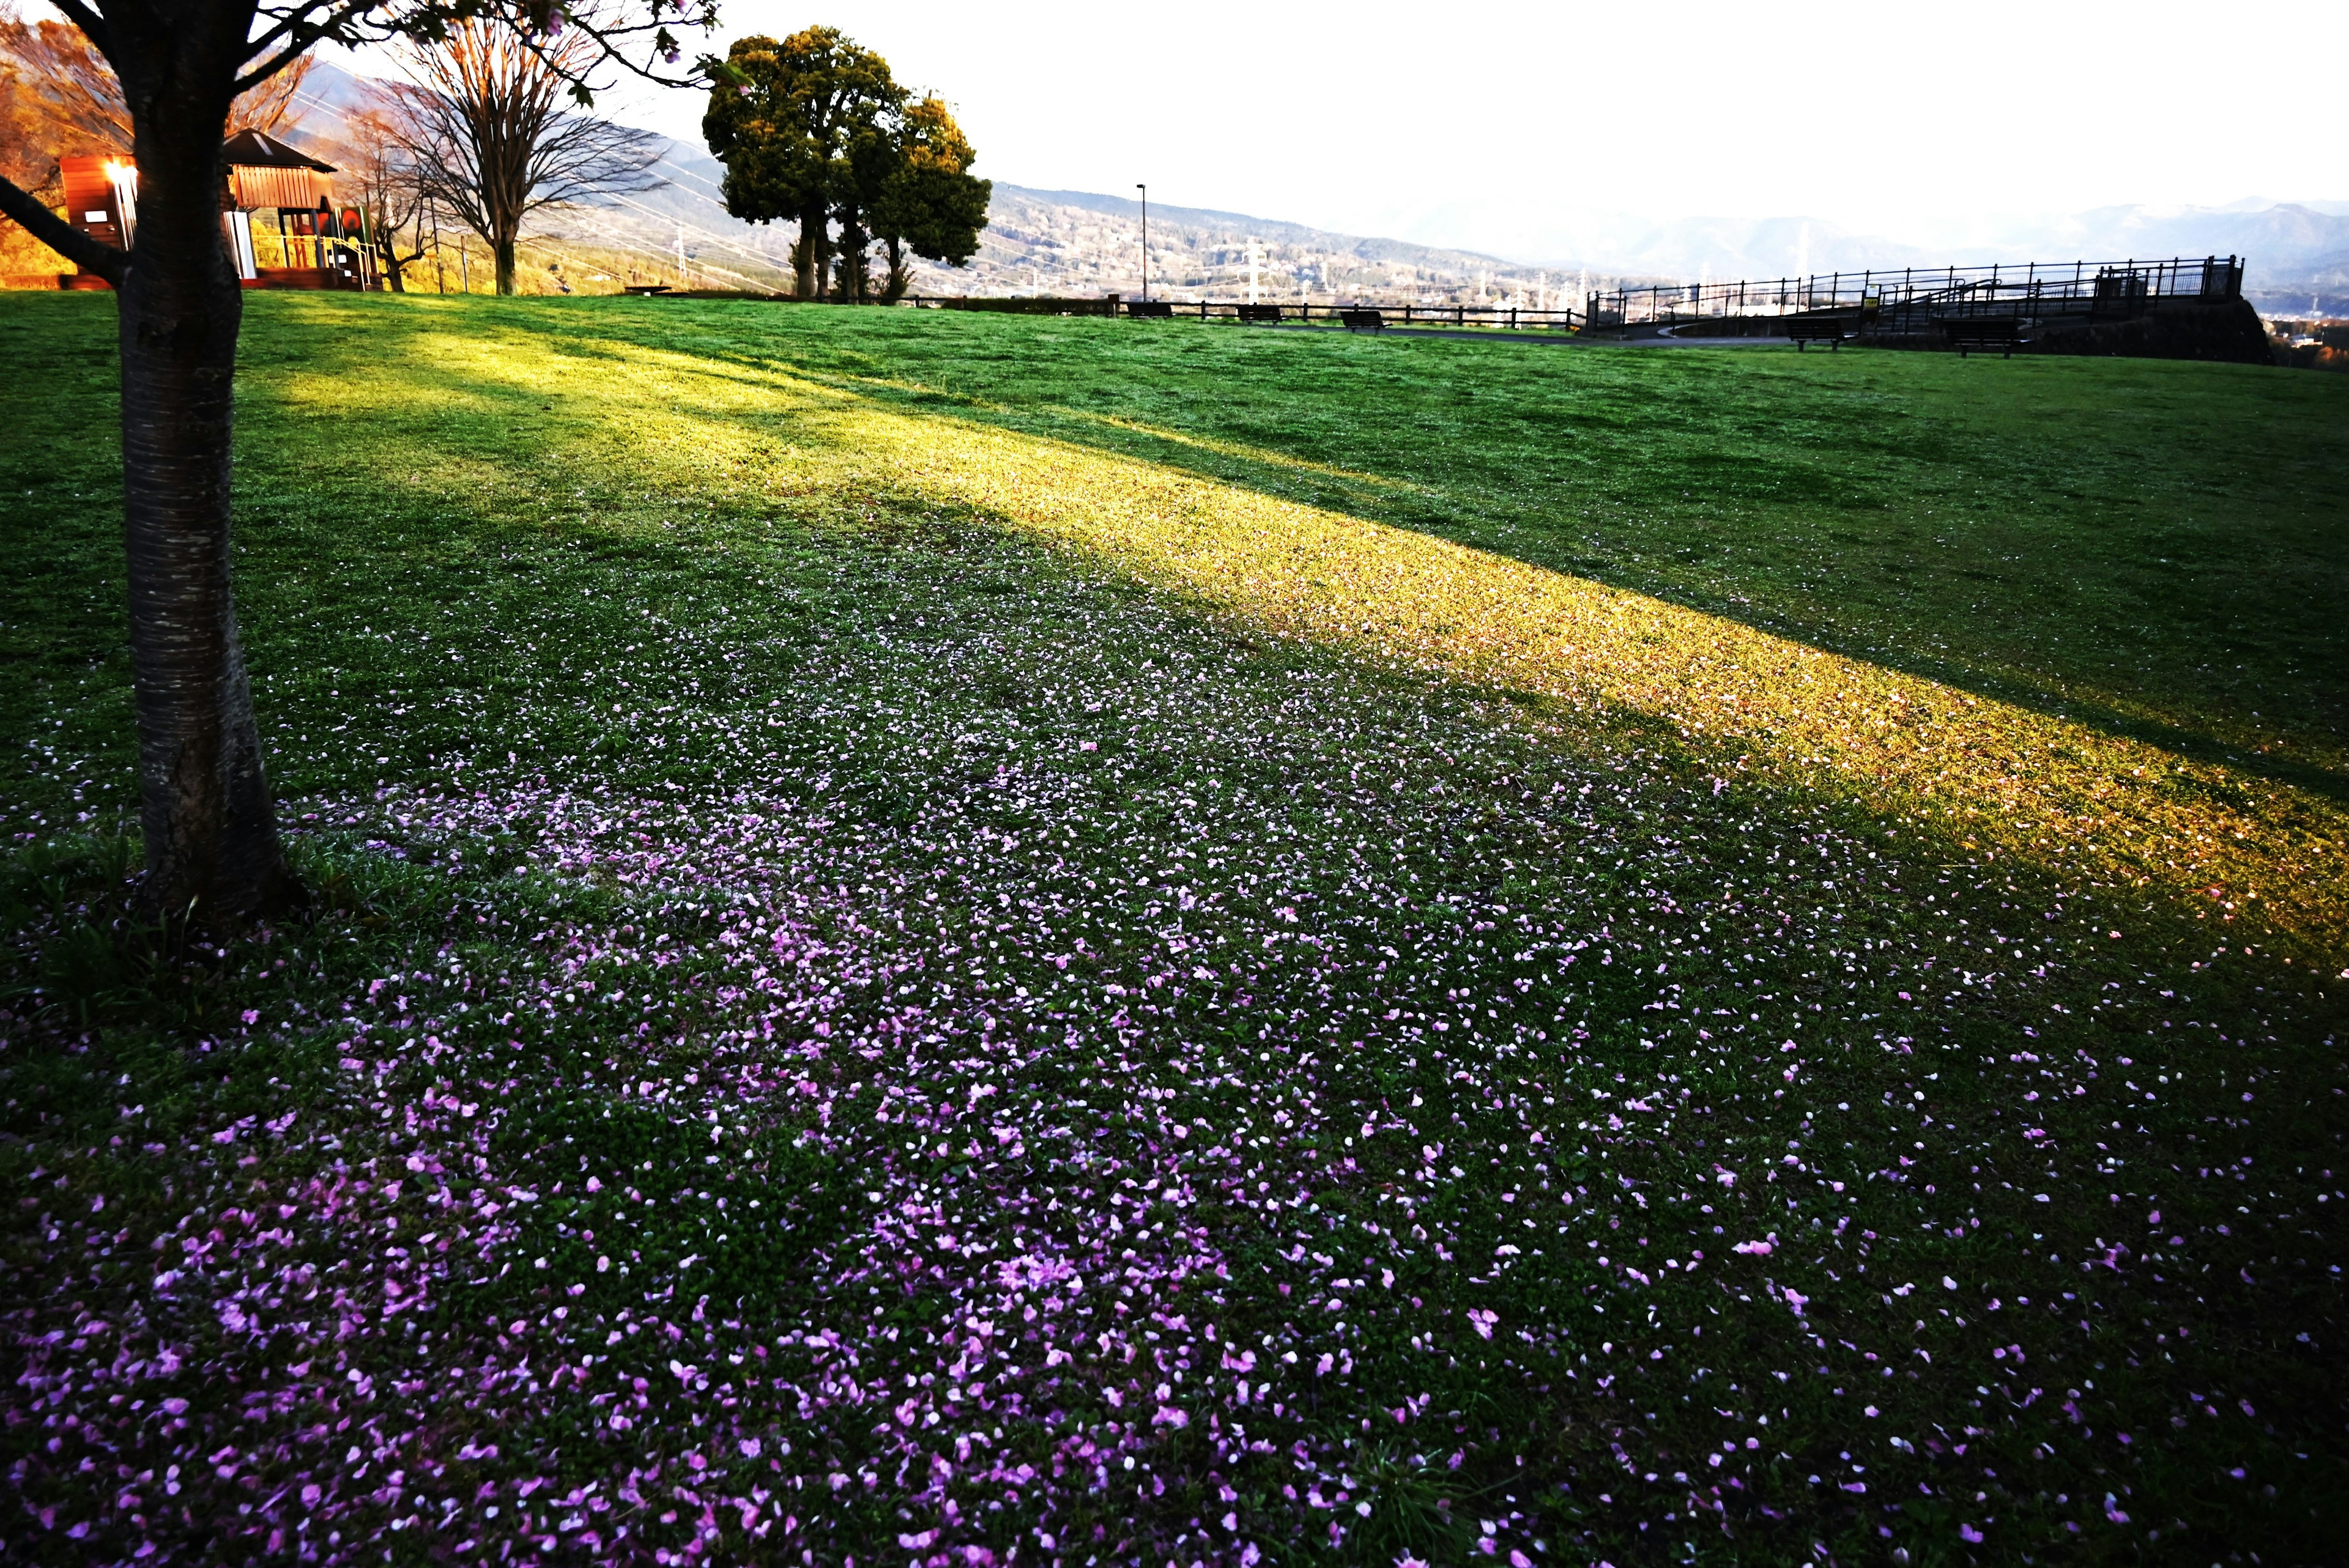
(212, 850)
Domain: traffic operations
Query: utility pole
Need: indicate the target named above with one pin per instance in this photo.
(1145, 238)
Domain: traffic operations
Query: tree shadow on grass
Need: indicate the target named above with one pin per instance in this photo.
(634, 430)
(2145, 549)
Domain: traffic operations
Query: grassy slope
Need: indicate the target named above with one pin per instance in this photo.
(607, 596)
(1803, 506)
(2144, 540)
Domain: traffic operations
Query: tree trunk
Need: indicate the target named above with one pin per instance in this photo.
(854, 273)
(506, 250)
(812, 258)
(212, 850)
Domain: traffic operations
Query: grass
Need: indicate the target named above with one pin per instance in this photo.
(909, 901)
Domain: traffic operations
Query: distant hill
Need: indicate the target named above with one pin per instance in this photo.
(1076, 242)
(1081, 244)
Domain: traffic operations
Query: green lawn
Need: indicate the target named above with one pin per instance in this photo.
(2150, 545)
(1094, 942)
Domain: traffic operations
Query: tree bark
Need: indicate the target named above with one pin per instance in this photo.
(505, 253)
(855, 270)
(813, 258)
(212, 843)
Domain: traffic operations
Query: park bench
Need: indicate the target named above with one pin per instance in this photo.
(1267, 315)
(1362, 320)
(1830, 330)
(1969, 332)
(1151, 309)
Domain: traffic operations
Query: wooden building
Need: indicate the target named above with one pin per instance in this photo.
(278, 215)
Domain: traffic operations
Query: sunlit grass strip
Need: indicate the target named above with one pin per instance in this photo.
(1987, 775)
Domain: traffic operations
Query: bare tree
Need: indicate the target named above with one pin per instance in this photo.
(212, 849)
(389, 184)
(492, 142)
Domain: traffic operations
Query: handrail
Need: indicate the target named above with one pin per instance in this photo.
(1911, 288)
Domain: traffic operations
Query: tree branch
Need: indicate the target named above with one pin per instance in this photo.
(276, 63)
(607, 40)
(92, 24)
(63, 237)
(301, 35)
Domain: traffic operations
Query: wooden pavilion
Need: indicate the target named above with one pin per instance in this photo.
(278, 215)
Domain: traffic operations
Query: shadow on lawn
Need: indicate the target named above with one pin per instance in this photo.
(626, 426)
(1841, 474)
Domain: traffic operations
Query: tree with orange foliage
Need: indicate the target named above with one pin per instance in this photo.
(929, 204)
(75, 100)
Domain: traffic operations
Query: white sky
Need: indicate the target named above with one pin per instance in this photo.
(1373, 118)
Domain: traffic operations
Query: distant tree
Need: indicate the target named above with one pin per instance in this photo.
(76, 101)
(389, 184)
(490, 139)
(27, 162)
(928, 202)
(26, 158)
(867, 158)
(214, 854)
(787, 118)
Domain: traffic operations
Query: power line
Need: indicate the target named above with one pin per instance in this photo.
(639, 247)
(697, 179)
(697, 231)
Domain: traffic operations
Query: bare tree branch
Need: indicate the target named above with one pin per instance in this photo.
(61, 236)
(300, 37)
(297, 28)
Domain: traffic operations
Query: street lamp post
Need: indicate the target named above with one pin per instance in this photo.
(1146, 239)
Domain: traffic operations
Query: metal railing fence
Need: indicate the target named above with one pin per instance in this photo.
(1503, 318)
(1911, 300)
(2061, 287)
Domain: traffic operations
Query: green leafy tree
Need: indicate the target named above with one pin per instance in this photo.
(791, 120)
(929, 204)
(872, 154)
